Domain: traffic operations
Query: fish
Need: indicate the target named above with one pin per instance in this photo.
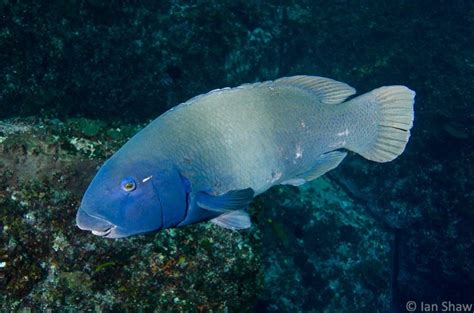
(207, 158)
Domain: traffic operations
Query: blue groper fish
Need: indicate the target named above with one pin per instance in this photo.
(207, 158)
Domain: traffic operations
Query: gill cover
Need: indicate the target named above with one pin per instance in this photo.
(172, 190)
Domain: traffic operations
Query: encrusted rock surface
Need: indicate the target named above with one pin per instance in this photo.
(50, 264)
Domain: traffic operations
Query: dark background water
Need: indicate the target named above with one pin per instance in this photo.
(131, 62)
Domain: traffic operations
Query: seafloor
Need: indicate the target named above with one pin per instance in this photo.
(78, 78)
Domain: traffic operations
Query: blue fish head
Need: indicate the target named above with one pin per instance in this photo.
(131, 197)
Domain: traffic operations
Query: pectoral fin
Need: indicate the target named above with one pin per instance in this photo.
(230, 201)
(239, 219)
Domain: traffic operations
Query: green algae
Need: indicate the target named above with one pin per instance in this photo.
(85, 126)
(76, 281)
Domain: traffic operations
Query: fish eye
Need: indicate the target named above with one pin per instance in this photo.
(128, 184)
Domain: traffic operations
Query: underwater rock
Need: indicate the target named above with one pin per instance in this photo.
(316, 248)
(147, 57)
(323, 252)
(428, 202)
(48, 263)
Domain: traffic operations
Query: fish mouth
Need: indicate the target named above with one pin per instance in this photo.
(103, 233)
(94, 224)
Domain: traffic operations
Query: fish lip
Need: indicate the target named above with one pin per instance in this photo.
(103, 233)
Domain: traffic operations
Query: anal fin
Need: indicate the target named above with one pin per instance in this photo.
(294, 182)
(239, 219)
(323, 164)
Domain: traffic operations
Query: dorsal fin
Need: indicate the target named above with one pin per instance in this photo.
(327, 90)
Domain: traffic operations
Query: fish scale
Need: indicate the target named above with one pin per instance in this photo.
(245, 134)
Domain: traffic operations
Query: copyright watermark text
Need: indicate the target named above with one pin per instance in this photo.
(445, 306)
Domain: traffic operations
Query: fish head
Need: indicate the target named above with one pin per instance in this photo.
(131, 197)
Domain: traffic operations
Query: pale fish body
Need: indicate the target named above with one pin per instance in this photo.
(226, 146)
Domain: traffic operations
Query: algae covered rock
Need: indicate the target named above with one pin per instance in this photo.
(48, 263)
(130, 61)
(323, 252)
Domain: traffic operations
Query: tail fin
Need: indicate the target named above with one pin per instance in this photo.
(394, 118)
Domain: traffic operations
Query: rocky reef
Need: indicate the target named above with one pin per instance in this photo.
(79, 78)
(48, 263)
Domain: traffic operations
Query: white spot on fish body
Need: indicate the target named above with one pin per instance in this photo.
(299, 152)
(303, 125)
(147, 179)
(344, 133)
